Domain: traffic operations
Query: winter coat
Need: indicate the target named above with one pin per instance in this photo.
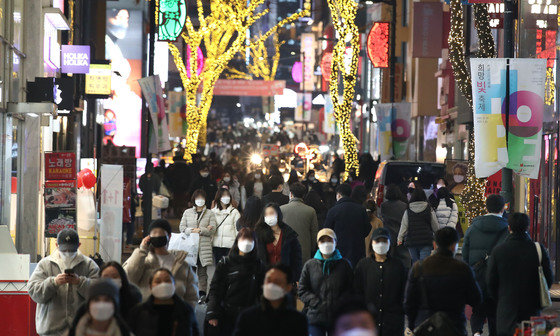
(513, 281)
(322, 284)
(376, 223)
(481, 235)
(418, 225)
(207, 225)
(226, 231)
(57, 305)
(290, 250)
(143, 320)
(236, 285)
(80, 325)
(445, 215)
(351, 225)
(128, 299)
(262, 320)
(303, 219)
(382, 285)
(391, 213)
(275, 197)
(448, 283)
(143, 263)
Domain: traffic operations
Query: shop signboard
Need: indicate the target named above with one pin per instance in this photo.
(522, 152)
(244, 88)
(60, 166)
(75, 59)
(98, 80)
(60, 192)
(378, 44)
(427, 30)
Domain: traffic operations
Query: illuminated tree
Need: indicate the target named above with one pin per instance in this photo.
(344, 67)
(221, 34)
(261, 66)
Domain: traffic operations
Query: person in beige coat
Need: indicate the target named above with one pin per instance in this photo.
(152, 255)
(201, 220)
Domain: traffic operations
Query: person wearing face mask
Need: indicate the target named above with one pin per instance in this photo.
(330, 191)
(324, 280)
(164, 313)
(433, 199)
(129, 294)
(441, 283)
(199, 219)
(226, 219)
(277, 242)
(352, 317)
(152, 255)
(59, 284)
(447, 212)
(459, 179)
(254, 186)
(229, 182)
(236, 284)
(204, 181)
(100, 314)
(274, 316)
(381, 279)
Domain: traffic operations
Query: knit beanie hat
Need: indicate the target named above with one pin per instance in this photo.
(103, 287)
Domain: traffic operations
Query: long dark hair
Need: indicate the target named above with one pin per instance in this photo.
(126, 299)
(252, 213)
(443, 193)
(218, 198)
(264, 231)
(293, 177)
(247, 234)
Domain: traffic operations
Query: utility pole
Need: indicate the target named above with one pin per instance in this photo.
(507, 174)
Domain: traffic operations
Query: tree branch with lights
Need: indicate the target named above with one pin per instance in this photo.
(221, 34)
(343, 73)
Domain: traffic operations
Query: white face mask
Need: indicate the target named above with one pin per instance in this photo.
(257, 176)
(68, 256)
(334, 181)
(327, 248)
(117, 282)
(458, 178)
(273, 292)
(101, 311)
(441, 185)
(225, 200)
(380, 248)
(199, 202)
(246, 246)
(204, 174)
(163, 291)
(271, 220)
(358, 332)
(227, 179)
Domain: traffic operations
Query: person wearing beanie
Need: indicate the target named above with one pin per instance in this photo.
(152, 255)
(325, 280)
(380, 280)
(59, 284)
(99, 315)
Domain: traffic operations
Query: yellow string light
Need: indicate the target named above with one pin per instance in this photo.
(473, 198)
(261, 66)
(343, 14)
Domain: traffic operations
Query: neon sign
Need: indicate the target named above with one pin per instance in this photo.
(378, 45)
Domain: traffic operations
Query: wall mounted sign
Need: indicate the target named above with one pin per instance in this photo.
(75, 59)
(378, 44)
(171, 16)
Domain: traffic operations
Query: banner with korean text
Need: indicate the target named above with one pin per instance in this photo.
(522, 150)
(151, 89)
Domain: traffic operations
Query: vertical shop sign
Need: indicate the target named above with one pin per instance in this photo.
(308, 62)
(526, 108)
(151, 89)
(329, 125)
(303, 109)
(60, 192)
(110, 230)
(427, 30)
(177, 114)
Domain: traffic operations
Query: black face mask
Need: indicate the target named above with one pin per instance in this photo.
(160, 241)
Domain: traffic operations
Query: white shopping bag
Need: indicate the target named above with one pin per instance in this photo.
(187, 243)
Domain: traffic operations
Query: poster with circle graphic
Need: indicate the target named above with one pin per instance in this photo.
(393, 130)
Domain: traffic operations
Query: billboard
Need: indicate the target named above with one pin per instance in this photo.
(75, 59)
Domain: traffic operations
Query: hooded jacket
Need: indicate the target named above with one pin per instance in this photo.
(207, 225)
(479, 237)
(226, 232)
(143, 263)
(322, 284)
(418, 225)
(57, 305)
(447, 216)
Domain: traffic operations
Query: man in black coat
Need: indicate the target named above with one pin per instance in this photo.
(276, 183)
(441, 283)
(350, 222)
(274, 316)
(206, 182)
(513, 278)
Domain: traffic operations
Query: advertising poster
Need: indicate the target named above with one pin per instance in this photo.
(394, 130)
(329, 124)
(177, 114)
(123, 47)
(526, 105)
(57, 219)
(111, 195)
(60, 166)
(151, 88)
(60, 194)
(303, 109)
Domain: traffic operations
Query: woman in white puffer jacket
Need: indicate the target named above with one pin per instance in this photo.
(226, 218)
(447, 212)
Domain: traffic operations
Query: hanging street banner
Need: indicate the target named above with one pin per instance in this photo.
(177, 113)
(329, 124)
(151, 89)
(241, 87)
(111, 199)
(394, 130)
(526, 94)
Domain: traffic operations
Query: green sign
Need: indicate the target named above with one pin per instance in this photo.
(171, 16)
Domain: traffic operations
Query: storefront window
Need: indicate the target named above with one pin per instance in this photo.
(17, 24)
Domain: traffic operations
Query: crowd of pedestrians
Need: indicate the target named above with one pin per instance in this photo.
(354, 269)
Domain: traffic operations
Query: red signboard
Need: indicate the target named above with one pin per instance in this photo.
(60, 166)
(326, 61)
(378, 44)
(427, 29)
(240, 87)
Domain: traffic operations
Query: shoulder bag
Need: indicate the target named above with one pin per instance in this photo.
(544, 293)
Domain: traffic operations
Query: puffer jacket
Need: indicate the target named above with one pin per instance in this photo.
(143, 263)
(322, 285)
(236, 285)
(207, 225)
(226, 232)
(480, 236)
(57, 305)
(423, 224)
(445, 215)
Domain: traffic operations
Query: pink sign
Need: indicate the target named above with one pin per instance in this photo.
(297, 72)
(427, 30)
